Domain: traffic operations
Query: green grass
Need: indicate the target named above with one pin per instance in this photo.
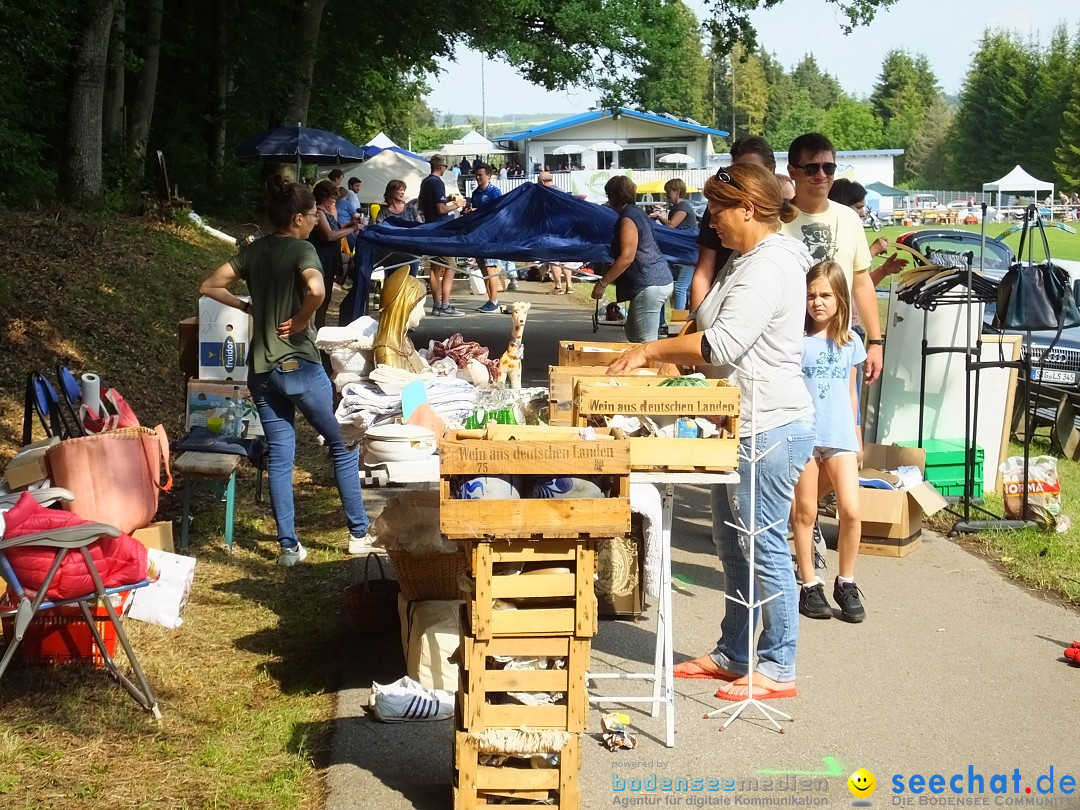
(1063, 245)
(1047, 561)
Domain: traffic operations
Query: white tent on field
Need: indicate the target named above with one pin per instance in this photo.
(375, 172)
(1018, 181)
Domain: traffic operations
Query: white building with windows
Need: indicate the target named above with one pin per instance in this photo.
(633, 140)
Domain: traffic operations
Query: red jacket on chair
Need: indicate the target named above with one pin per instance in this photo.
(119, 560)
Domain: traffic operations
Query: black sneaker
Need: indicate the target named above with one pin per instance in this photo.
(847, 599)
(812, 602)
(819, 549)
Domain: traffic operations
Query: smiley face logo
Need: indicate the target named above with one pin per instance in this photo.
(862, 784)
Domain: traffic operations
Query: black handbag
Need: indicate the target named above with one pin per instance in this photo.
(1035, 296)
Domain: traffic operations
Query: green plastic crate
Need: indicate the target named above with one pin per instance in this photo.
(945, 464)
(955, 489)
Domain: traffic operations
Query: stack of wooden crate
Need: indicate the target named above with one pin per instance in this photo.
(533, 562)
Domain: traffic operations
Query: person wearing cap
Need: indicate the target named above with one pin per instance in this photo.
(436, 205)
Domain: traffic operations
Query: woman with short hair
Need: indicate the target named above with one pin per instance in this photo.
(640, 272)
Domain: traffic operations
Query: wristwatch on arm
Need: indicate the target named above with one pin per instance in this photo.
(876, 342)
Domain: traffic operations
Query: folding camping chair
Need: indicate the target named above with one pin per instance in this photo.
(26, 608)
(72, 396)
(40, 398)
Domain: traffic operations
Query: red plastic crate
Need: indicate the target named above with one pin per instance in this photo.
(60, 636)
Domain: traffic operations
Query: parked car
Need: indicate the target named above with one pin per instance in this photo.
(948, 246)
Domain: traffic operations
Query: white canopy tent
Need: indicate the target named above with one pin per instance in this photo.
(382, 140)
(377, 171)
(472, 143)
(1018, 181)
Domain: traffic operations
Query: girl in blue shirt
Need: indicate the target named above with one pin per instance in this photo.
(831, 353)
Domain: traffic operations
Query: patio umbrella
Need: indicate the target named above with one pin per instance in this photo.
(676, 157)
(606, 146)
(299, 143)
(568, 149)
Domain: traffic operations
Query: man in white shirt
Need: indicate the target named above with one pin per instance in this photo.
(833, 231)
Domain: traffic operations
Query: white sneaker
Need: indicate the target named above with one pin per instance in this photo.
(291, 556)
(406, 699)
(362, 545)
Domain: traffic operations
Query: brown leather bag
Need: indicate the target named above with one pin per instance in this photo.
(115, 476)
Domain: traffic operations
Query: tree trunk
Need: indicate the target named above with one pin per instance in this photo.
(113, 123)
(309, 15)
(219, 93)
(82, 160)
(141, 108)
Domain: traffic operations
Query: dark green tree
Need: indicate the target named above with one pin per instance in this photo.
(673, 74)
(987, 137)
(823, 89)
(1055, 77)
(852, 124)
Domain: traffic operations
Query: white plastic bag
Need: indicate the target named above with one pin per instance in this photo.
(1043, 487)
(161, 602)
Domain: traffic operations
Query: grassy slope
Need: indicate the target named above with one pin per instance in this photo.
(244, 686)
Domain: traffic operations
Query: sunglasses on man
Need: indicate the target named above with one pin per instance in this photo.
(812, 169)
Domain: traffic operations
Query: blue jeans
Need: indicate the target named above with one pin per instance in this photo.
(643, 320)
(777, 473)
(278, 394)
(684, 274)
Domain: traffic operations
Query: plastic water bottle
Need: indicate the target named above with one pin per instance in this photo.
(236, 414)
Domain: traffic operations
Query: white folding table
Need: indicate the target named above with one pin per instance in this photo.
(662, 674)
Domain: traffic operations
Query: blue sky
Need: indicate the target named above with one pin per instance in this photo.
(946, 31)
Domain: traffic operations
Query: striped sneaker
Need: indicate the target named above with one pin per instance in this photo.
(406, 699)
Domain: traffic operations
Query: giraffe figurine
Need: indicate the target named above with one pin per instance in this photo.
(510, 362)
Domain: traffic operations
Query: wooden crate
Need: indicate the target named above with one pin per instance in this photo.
(590, 352)
(479, 680)
(547, 604)
(533, 451)
(474, 783)
(643, 396)
(561, 381)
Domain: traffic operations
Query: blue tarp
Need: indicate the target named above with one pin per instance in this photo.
(530, 223)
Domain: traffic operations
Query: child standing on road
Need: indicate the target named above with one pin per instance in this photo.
(831, 353)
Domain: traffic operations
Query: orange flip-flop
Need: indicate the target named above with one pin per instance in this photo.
(693, 670)
(760, 693)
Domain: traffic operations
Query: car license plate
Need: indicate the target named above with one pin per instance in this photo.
(1053, 376)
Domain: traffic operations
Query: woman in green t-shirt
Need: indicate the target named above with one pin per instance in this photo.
(285, 374)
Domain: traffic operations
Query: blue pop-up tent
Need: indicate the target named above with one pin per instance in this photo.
(531, 223)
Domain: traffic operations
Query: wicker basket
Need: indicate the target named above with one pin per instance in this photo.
(429, 576)
(371, 605)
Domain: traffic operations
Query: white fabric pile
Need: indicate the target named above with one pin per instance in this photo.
(364, 405)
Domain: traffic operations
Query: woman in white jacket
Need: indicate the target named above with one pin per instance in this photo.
(750, 327)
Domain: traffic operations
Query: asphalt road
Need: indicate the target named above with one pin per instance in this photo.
(956, 671)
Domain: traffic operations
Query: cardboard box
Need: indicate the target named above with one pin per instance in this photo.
(157, 535)
(224, 341)
(28, 466)
(208, 400)
(892, 519)
(187, 332)
(430, 638)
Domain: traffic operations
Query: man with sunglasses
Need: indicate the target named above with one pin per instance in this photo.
(833, 231)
